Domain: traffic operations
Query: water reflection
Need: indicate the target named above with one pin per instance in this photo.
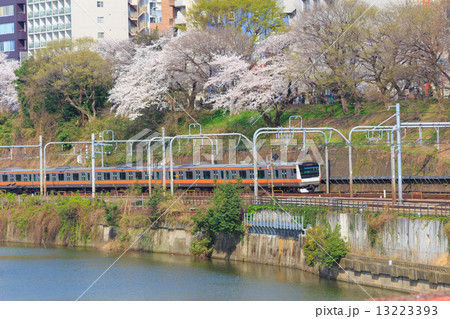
(28, 273)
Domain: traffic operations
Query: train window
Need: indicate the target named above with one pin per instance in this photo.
(5, 178)
(130, 176)
(106, 176)
(261, 173)
(293, 174)
(68, 177)
(189, 175)
(221, 174)
(227, 174)
(88, 176)
(36, 177)
(179, 175)
(251, 174)
(157, 175)
(122, 176)
(242, 174)
(83, 176)
(60, 177)
(197, 175)
(99, 176)
(283, 173)
(47, 177)
(206, 175)
(269, 173)
(76, 176)
(25, 178)
(146, 175)
(18, 178)
(216, 174)
(277, 173)
(114, 175)
(233, 174)
(139, 175)
(54, 177)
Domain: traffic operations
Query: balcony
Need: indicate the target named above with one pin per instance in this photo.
(21, 35)
(21, 17)
(180, 3)
(180, 18)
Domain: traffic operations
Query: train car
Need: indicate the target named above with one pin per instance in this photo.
(289, 177)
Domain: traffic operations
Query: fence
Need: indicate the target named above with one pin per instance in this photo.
(274, 223)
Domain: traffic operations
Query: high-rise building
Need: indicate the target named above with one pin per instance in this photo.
(54, 20)
(13, 28)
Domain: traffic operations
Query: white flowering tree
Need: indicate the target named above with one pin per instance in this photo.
(8, 94)
(261, 83)
(140, 83)
(173, 70)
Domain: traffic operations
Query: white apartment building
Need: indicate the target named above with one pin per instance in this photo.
(54, 20)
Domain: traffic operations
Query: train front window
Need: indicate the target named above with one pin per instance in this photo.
(309, 170)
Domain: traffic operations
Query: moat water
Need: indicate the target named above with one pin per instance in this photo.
(38, 273)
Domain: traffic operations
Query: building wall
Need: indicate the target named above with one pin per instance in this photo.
(168, 13)
(114, 14)
(14, 42)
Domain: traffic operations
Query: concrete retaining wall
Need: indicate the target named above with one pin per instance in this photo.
(417, 240)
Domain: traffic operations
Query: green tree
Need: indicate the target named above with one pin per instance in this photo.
(223, 216)
(255, 18)
(324, 246)
(66, 79)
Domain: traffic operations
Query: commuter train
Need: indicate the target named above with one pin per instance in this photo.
(289, 177)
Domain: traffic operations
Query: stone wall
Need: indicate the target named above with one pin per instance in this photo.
(417, 240)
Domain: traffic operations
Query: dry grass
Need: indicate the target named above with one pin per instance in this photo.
(442, 261)
(377, 222)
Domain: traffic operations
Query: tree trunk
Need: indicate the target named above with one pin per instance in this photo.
(344, 103)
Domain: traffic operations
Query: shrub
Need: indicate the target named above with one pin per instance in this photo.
(324, 246)
(202, 247)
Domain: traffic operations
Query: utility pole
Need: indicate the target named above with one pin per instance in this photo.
(93, 164)
(163, 159)
(41, 166)
(393, 166)
(399, 151)
(271, 170)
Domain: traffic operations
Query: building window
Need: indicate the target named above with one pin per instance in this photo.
(6, 28)
(99, 4)
(100, 19)
(7, 46)
(101, 35)
(6, 11)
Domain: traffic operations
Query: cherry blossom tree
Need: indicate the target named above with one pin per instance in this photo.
(8, 94)
(261, 83)
(141, 83)
(173, 70)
